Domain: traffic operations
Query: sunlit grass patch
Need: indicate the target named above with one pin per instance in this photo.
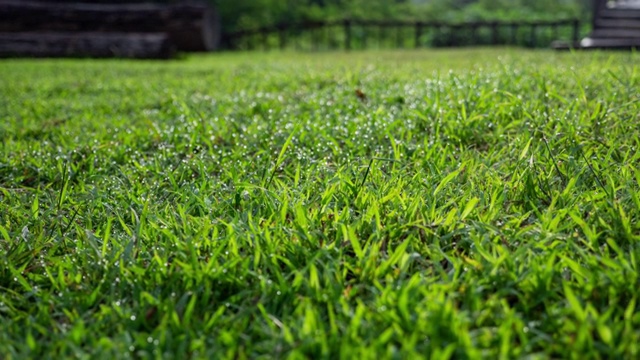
(447, 204)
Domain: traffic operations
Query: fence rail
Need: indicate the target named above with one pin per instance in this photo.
(361, 34)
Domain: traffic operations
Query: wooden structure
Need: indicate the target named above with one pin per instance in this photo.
(86, 44)
(139, 30)
(361, 34)
(616, 24)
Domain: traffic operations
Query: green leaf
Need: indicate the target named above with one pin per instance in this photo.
(188, 313)
(574, 303)
(281, 155)
(4, 233)
(314, 279)
(471, 204)
(398, 252)
(35, 206)
(605, 333)
(447, 179)
(630, 310)
(350, 236)
(31, 342)
(524, 152)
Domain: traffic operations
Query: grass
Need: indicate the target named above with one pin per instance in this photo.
(445, 204)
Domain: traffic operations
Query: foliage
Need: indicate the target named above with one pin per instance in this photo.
(248, 14)
(458, 204)
(238, 14)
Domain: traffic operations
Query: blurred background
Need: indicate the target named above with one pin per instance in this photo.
(395, 16)
(161, 28)
(241, 14)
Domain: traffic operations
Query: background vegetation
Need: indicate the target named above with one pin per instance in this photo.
(243, 14)
(248, 14)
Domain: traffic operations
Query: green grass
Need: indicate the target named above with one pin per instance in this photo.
(466, 204)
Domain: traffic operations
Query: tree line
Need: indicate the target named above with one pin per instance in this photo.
(246, 14)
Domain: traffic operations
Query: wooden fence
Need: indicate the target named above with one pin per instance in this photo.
(363, 34)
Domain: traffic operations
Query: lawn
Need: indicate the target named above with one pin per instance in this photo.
(475, 203)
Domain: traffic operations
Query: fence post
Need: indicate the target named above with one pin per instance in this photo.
(347, 34)
(418, 34)
(514, 33)
(494, 33)
(576, 30)
(474, 34)
(328, 35)
(437, 38)
(533, 40)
